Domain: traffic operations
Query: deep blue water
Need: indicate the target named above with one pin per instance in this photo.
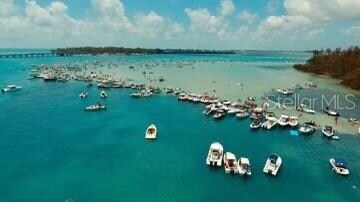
(51, 150)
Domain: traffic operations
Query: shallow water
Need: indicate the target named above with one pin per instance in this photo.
(51, 150)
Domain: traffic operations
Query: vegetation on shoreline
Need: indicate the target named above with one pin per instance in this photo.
(339, 64)
(128, 51)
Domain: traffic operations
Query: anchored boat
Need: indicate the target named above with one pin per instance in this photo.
(151, 132)
(215, 155)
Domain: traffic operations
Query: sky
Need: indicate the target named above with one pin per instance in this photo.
(205, 24)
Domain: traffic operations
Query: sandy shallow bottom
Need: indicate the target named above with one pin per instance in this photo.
(239, 80)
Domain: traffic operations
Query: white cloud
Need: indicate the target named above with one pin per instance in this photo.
(248, 17)
(227, 7)
(149, 25)
(202, 20)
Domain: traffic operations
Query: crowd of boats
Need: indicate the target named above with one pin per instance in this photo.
(217, 158)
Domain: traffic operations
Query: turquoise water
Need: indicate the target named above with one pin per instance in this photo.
(51, 150)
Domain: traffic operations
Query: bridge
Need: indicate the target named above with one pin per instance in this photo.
(33, 55)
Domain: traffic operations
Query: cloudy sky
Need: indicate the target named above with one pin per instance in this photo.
(215, 24)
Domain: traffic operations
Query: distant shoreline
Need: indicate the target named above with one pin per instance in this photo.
(130, 51)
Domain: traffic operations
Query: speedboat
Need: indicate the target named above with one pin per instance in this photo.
(308, 127)
(233, 110)
(230, 163)
(285, 91)
(11, 88)
(305, 109)
(208, 111)
(339, 165)
(244, 166)
(95, 107)
(328, 131)
(215, 155)
(270, 123)
(242, 115)
(273, 164)
(283, 120)
(293, 121)
(255, 124)
(169, 90)
(219, 114)
(83, 95)
(330, 112)
(151, 132)
(182, 96)
(103, 94)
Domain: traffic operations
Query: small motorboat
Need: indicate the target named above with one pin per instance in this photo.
(207, 112)
(339, 165)
(242, 115)
(284, 120)
(328, 131)
(103, 94)
(255, 124)
(230, 163)
(293, 121)
(169, 90)
(233, 110)
(270, 123)
(244, 166)
(151, 132)
(219, 114)
(308, 127)
(95, 107)
(285, 91)
(330, 112)
(183, 97)
(305, 109)
(11, 88)
(215, 155)
(272, 164)
(83, 95)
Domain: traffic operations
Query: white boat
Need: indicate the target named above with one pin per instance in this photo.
(330, 112)
(242, 115)
(233, 110)
(270, 123)
(219, 114)
(103, 94)
(328, 131)
(230, 163)
(151, 132)
(255, 124)
(339, 165)
(244, 166)
(215, 155)
(273, 164)
(95, 107)
(305, 109)
(183, 96)
(11, 88)
(83, 95)
(293, 121)
(285, 91)
(308, 127)
(283, 120)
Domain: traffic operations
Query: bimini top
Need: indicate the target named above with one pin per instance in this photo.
(216, 146)
(273, 158)
(340, 162)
